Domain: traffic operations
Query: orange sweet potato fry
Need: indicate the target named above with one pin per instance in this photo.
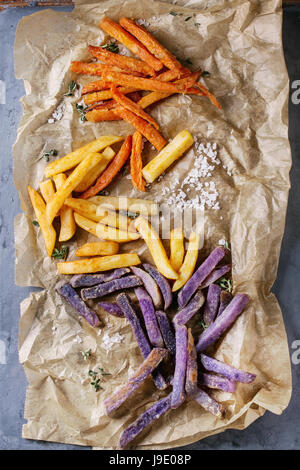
(109, 104)
(174, 74)
(142, 126)
(92, 68)
(139, 83)
(151, 44)
(111, 171)
(136, 162)
(104, 95)
(151, 98)
(134, 107)
(99, 115)
(209, 95)
(122, 62)
(97, 85)
(121, 35)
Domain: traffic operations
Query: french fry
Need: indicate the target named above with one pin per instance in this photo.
(47, 190)
(77, 175)
(67, 222)
(111, 171)
(93, 174)
(97, 85)
(174, 74)
(136, 163)
(96, 69)
(210, 96)
(127, 103)
(122, 62)
(39, 207)
(127, 204)
(102, 263)
(86, 224)
(152, 98)
(104, 248)
(151, 44)
(176, 248)
(189, 263)
(105, 232)
(155, 247)
(98, 213)
(139, 83)
(182, 142)
(105, 95)
(74, 158)
(99, 115)
(121, 35)
(142, 126)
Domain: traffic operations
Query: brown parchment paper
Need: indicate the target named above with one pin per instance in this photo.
(240, 44)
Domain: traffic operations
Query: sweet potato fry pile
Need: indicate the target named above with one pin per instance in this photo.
(173, 353)
(155, 70)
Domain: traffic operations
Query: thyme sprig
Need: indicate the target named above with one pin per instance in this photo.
(225, 284)
(96, 377)
(72, 87)
(62, 253)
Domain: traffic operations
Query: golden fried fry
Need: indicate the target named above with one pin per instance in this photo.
(98, 248)
(102, 263)
(189, 262)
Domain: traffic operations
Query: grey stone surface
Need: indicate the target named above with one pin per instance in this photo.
(270, 431)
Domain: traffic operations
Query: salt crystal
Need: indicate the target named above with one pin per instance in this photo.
(109, 341)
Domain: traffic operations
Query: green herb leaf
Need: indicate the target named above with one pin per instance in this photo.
(62, 253)
(203, 324)
(132, 215)
(188, 61)
(104, 192)
(96, 378)
(187, 18)
(72, 87)
(225, 284)
(205, 73)
(81, 110)
(111, 47)
(46, 155)
(35, 223)
(173, 13)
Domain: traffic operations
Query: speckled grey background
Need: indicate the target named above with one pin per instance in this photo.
(268, 432)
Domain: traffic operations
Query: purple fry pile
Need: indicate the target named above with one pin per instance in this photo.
(193, 372)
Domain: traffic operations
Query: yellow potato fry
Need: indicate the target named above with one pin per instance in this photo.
(77, 175)
(94, 265)
(189, 262)
(67, 221)
(47, 190)
(39, 207)
(155, 247)
(100, 214)
(85, 224)
(92, 175)
(104, 231)
(74, 158)
(110, 233)
(177, 248)
(171, 152)
(127, 204)
(98, 248)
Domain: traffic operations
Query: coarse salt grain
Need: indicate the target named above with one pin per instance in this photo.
(77, 339)
(109, 341)
(58, 113)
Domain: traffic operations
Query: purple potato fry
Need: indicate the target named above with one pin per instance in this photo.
(237, 375)
(225, 299)
(200, 275)
(147, 309)
(191, 367)
(187, 312)
(153, 413)
(166, 331)
(88, 280)
(114, 402)
(162, 283)
(178, 393)
(215, 275)
(150, 285)
(144, 345)
(209, 404)
(112, 308)
(215, 381)
(111, 286)
(71, 296)
(223, 322)
(212, 303)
